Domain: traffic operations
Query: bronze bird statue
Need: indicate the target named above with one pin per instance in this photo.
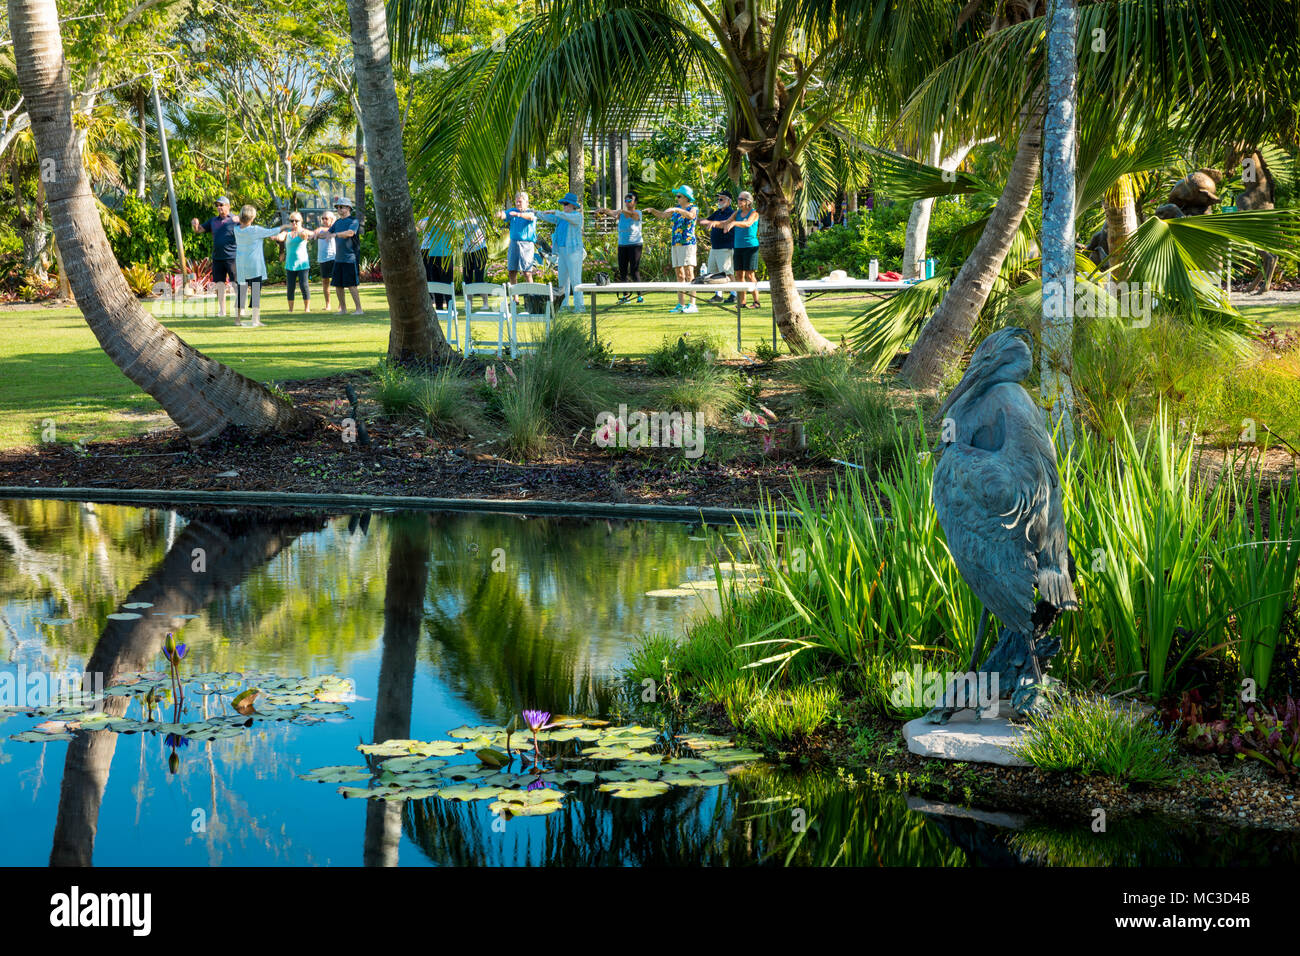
(997, 493)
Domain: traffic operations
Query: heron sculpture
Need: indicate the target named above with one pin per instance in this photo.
(997, 494)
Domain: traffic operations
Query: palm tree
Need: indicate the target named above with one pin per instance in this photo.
(1142, 64)
(788, 72)
(202, 396)
(415, 336)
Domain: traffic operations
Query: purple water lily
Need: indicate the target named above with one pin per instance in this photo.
(174, 654)
(536, 721)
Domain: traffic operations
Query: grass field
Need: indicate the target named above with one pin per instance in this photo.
(52, 369)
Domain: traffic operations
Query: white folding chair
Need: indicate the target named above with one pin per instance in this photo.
(498, 313)
(448, 316)
(519, 312)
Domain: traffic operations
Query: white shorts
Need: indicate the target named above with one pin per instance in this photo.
(720, 260)
(684, 256)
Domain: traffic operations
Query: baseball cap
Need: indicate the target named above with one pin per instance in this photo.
(223, 200)
(725, 192)
(342, 201)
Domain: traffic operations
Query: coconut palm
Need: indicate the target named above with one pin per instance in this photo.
(202, 396)
(787, 71)
(1143, 62)
(415, 335)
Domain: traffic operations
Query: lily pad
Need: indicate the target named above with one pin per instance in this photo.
(526, 809)
(469, 733)
(635, 789)
(36, 736)
(736, 755)
(125, 616)
(137, 605)
(467, 791)
(413, 763)
(336, 774)
(714, 779)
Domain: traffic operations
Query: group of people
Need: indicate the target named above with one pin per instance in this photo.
(733, 236)
(238, 256)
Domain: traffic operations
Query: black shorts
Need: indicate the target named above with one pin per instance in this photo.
(345, 275)
(223, 270)
(745, 259)
(327, 268)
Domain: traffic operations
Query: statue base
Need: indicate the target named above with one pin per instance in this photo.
(968, 738)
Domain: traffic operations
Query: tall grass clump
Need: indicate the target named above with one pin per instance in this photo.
(823, 377)
(442, 400)
(711, 392)
(523, 409)
(866, 570)
(783, 720)
(570, 392)
(1092, 735)
(395, 388)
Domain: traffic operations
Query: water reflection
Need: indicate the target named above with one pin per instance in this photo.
(442, 620)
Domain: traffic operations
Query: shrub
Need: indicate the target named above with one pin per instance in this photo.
(1270, 735)
(690, 354)
(139, 279)
(823, 378)
(1094, 735)
(147, 238)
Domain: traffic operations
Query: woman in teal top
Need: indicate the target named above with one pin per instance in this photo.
(297, 261)
(745, 228)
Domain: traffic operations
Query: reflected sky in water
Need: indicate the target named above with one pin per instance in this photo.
(440, 620)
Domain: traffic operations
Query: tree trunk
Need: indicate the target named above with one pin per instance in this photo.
(776, 246)
(1121, 220)
(944, 337)
(414, 335)
(409, 550)
(142, 166)
(1056, 366)
(577, 166)
(918, 221)
(203, 397)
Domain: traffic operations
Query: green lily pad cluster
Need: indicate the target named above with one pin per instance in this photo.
(626, 762)
(298, 700)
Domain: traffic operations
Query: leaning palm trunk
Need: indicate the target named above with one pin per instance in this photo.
(946, 334)
(415, 337)
(202, 396)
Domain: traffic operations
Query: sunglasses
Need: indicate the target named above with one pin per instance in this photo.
(629, 199)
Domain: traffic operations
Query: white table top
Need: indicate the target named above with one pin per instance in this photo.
(802, 285)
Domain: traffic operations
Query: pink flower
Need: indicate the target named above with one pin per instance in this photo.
(746, 418)
(768, 412)
(509, 371)
(760, 421)
(769, 443)
(490, 375)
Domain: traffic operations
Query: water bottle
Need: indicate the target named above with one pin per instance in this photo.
(929, 268)
(874, 270)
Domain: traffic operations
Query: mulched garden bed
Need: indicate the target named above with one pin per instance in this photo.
(402, 460)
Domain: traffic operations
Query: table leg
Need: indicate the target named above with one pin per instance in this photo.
(740, 304)
(594, 340)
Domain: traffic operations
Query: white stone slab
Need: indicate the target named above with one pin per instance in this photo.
(990, 740)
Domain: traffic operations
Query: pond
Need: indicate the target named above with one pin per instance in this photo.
(416, 624)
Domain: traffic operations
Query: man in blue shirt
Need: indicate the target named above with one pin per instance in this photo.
(721, 242)
(347, 246)
(523, 234)
(222, 227)
(683, 217)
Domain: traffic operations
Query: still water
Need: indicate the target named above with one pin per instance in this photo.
(439, 621)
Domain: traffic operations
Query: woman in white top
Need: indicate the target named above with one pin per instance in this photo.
(250, 260)
(325, 253)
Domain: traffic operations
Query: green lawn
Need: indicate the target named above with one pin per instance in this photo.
(52, 367)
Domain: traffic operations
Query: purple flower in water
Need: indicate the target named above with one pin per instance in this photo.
(538, 784)
(174, 654)
(536, 719)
